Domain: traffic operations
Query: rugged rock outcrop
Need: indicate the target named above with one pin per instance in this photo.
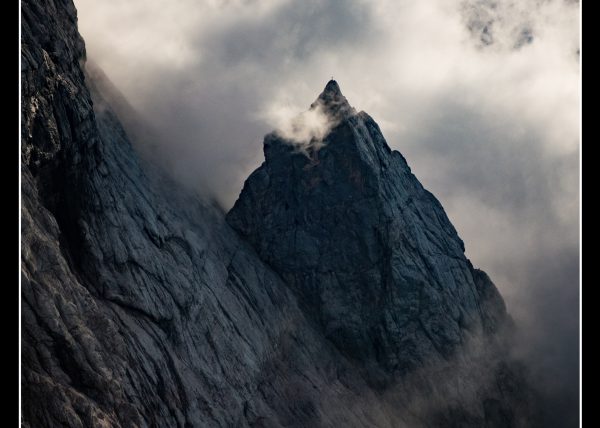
(369, 251)
(142, 307)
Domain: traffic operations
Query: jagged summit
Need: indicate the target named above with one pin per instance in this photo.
(333, 102)
(370, 253)
(332, 87)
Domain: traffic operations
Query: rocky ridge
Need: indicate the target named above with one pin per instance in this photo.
(142, 307)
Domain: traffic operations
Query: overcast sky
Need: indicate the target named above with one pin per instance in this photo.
(481, 97)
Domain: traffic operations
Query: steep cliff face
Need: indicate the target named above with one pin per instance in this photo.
(373, 258)
(370, 252)
(141, 306)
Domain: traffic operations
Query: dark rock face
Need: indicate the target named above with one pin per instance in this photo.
(142, 307)
(368, 250)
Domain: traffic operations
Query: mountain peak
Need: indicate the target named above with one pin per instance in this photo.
(361, 243)
(332, 87)
(331, 93)
(332, 102)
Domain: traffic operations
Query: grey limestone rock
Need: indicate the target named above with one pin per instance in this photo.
(346, 301)
(370, 252)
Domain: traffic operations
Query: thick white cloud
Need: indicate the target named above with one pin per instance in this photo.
(481, 96)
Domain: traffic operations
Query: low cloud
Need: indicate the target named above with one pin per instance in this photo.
(307, 129)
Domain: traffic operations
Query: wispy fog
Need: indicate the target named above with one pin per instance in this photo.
(482, 97)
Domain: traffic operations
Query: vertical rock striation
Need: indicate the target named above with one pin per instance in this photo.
(141, 307)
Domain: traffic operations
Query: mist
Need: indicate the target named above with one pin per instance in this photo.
(481, 97)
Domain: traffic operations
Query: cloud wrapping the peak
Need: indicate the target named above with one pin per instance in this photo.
(302, 129)
(482, 97)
